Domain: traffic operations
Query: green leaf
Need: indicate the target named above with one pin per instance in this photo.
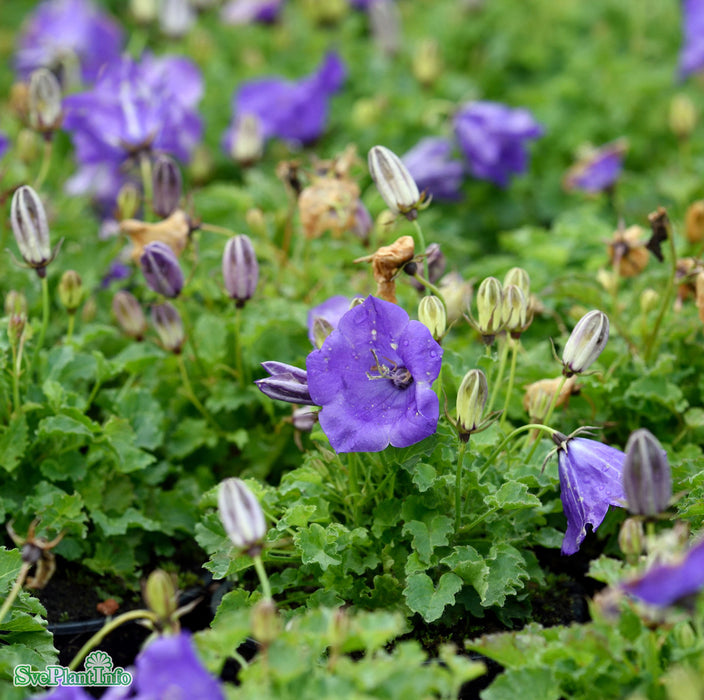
(507, 573)
(512, 495)
(112, 525)
(470, 566)
(10, 564)
(145, 415)
(57, 427)
(13, 442)
(57, 510)
(190, 434)
(427, 537)
(424, 476)
(312, 543)
(211, 334)
(121, 438)
(424, 598)
(525, 683)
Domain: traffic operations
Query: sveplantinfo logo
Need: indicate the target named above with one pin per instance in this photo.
(98, 671)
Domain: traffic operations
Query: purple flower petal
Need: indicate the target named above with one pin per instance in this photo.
(590, 481)
(4, 144)
(667, 583)
(373, 378)
(692, 53)
(331, 311)
(599, 171)
(433, 169)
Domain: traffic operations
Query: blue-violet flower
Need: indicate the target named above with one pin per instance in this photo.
(331, 311)
(692, 52)
(590, 481)
(373, 378)
(599, 170)
(432, 167)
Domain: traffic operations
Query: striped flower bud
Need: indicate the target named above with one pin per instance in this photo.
(471, 399)
(519, 277)
(161, 269)
(395, 184)
(647, 481)
(129, 314)
(241, 515)
(247, 143)
(45, 111)
(240, 269)
(514, 310)
(31, 229)
(71, 291)
(586, 343)
(167, 186)
(431, 313)
(15, 303)
(286, 383)
(161, 595)
(169, 327)
(128, 201)
(304, 418)
(489, 308)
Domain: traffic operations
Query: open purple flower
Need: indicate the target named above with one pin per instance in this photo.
(590, 481)
(432, 167)
(667, 583)
(599, 170)
(295, 112)
(248, 11)
(134, 108)
(692, 53)
(373, 378)
(493, 138)
(68, 36)
(331, 311)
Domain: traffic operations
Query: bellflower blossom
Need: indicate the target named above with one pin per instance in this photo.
(134, 108)
(590, 481)
(373, 377)
(66, 36)
(432, 167)
(331, 311)
(295, 112)
(248, 11)
(667, 583)
(493, 139)
(599, 170)
(692, 52)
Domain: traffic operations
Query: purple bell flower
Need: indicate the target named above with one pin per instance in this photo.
(599, 171)
(373, 378)
(294, 112)
(134, 107)
(493, 139)
(665, 584)
(67, 36)
(161, 269)
(692, 52)
(331, 311)
(285, 383)
(590, 481)
(432, 167)
(248, 11)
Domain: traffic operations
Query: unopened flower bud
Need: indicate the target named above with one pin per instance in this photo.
(144, 11)
(427, 62)
(15, 327)
(608, 280)
(286, 383)
(167, 186)
(683, 116)
(176, 17)
(519, 277)
(395, 184)
(129, 314)
(90, 310)
(687, 638)
(631, 538)
(31, 228)
(385, 22)
(363, 222)
(586, 343)
(240, 269)
(325, 12)
(265, 620)
(647, 481)
(161, 269)
(15, 303)
(128, 201)
(241, 515)
(471, 399)
(321, 330)
(489, 305)
(201, 165)
(457, 294)
(256, 221)
(247, 144)
(694, 222)
(431, 313)
(169, 326)
(514, 310)
(45, 110)
(71, 290)
(649, 300)
(304, 418)
(161, 595)
(27, 146)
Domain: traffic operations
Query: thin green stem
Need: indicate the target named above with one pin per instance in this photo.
(188, 390)
(511, 379)
(419, 236)
(46, 163)
(513, 434)
(428, 285)
(263, 578)
(496, 381)
(16, 366)
(71, 324)
(353, 471)
(16, 588)
(458, 483)
(145, 169)
(238, 348)
(45, 323)
(480, 519)
(105, 631)
(213, 228)
(548, 415)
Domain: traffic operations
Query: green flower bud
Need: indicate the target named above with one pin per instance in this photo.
(169, 326)
(471, 399)
(129, 314)
(649, 300)
(631, 538)
(71, 290)
(128, 201)
(395, 184)
(514, 310)
(647, 481)
(15, 303)
(427, 62)
(247, 143)
(160, 595)
(45, 111)
(265, 621)
(431, 313)
(489, 308)
(519, 277)
(321, 330)
(27, 146)
(586, 343)
(683, 116)
(15, 327)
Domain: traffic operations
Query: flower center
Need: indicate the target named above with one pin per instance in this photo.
(398, 375)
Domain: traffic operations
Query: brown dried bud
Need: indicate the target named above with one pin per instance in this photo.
(173, 231)
(694, 222)
(627, 252)
(387, 262)
(538, 396)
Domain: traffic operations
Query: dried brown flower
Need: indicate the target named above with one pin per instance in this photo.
(387, 262)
